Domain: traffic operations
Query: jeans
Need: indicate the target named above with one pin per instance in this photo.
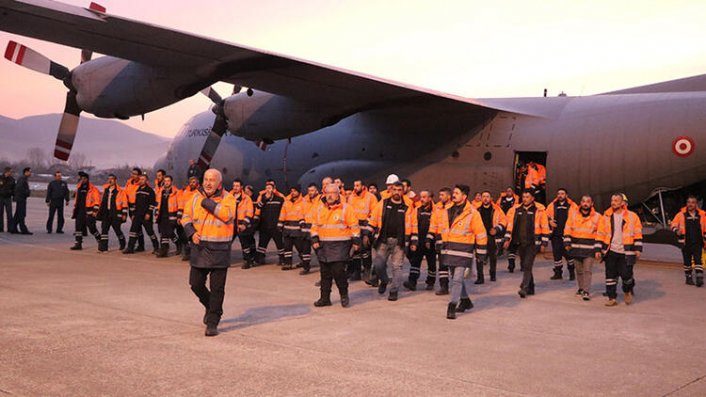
(389, 251)
(212, 300)
(458, 285)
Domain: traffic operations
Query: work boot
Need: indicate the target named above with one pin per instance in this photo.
(699, 280)
(382, 287)
(211, 330)
(557, 274)
(689, 279)
(140, 248)
(155, 246)
(287, 266)
(179, 246)
(122, 243)
(522, 293)
(410, 285)
(372, 281)
(464, 305)
(429, 286)
(306, 269)
(323, 302)
(443, 287)
(345, 301)
(511, 265)
(77, 247)
(572, 273)
(611, 303)
(480, 279)
(163, 251)
(247, 264)
(260, 258)
(628, 298)
(366, 275)
(451, 311)
(393, 296)
(493, 274)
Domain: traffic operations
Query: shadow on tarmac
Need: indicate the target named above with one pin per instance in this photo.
(263, 314)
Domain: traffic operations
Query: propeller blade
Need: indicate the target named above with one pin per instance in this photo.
(67, 128)
(211, 144)
(212, 95)
(27, 57)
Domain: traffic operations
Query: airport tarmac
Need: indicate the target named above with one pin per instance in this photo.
(83, 323)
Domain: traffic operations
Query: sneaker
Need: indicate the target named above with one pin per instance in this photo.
(628, 298)
(611, 303)
(211, 330)
(586, 296)
(579, 292)
(393, 296)
(464, 304)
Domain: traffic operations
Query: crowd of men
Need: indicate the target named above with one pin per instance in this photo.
(358, 232)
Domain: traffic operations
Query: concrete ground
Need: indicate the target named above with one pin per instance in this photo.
(83, 323)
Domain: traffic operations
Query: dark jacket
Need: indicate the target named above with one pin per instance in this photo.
(145, 201)
(194, 170)
(268, 214)
(22, 189)
(57, 193)
(7, 186)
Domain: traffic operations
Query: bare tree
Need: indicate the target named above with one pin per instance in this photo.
(78, 161)
(37, 158)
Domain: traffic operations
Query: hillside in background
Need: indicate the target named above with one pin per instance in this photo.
(102, 143)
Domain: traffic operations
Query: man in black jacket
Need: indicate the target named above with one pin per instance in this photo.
(428, 250)
(22, 192)
(112, 213)
(267, 208)
(57, 195)
(7, 191)
(144, 208)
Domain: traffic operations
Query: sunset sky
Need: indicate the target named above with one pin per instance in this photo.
(470, 48)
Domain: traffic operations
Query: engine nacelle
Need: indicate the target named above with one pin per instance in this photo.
(265, 116)
(112, 87)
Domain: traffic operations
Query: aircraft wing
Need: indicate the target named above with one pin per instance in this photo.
(214, 60)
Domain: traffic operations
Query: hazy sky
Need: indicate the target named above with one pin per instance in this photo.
(471, 48)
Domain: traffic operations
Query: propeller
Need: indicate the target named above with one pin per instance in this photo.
(27, 57)
(220, 125)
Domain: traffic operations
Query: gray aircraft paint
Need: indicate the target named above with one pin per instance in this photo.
(597, 145)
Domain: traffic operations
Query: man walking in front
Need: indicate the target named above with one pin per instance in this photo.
(86, 208)
(621, 237)
(690, 227)
(582, 243)
(334, 234)
(527, 233)
(57, 198)
(459, 233)
(494, 222)
(393, 227)
(208, 221)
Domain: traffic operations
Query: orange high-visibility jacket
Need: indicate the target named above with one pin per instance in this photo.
(172, 204)
(499, 222)
(212, 218)
(581, 233)
(120, 201)
(335, 228)
(533, 178)
(541, 223)
(131, 193)
(182, 198)
(435, 222)
(460, 238)
(245, 209)
(291, 216)
(311, 206)
(362, 205)
(375, 224)
(93, 199)
(679, 224)
(632, 232)
(550, 209)
(542, 173)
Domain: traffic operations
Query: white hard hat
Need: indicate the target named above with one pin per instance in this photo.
(392, 178)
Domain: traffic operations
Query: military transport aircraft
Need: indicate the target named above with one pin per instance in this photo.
(325, 120)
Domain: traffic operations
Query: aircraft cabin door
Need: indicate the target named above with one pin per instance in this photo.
(522, 164)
